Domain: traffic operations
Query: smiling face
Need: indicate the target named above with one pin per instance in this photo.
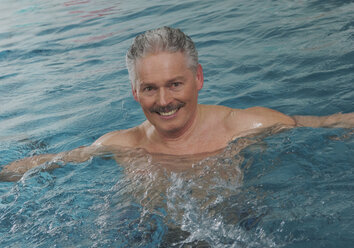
(167, 91)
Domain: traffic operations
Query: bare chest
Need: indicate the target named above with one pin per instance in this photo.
(203, 141)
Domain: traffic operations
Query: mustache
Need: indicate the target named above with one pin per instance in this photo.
(167, 108)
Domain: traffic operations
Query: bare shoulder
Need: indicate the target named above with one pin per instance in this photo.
(268, 115)
(257, 117)
(127, 138)
(216, 110)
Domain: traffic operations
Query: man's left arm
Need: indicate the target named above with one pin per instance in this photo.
(336, 120)
(264, 117)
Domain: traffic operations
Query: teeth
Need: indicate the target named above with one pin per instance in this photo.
(168, 113)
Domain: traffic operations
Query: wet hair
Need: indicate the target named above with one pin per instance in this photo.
(164, 39)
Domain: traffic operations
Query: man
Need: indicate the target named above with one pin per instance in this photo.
(166, 78)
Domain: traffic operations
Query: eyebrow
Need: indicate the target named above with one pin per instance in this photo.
(144, 84)
(178, 78)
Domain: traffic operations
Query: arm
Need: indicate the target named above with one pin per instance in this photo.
(337, 120)
(264, 117)
(257, 118)
(15, 170)
(114, 141)
(260, 117)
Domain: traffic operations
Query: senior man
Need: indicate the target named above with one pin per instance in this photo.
(166, 78)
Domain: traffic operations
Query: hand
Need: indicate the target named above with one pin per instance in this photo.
(340, 120)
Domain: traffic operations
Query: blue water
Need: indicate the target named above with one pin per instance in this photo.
(63, 84)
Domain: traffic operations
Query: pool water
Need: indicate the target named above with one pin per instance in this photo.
(63, 84)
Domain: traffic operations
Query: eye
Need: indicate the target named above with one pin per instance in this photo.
(148, 88)
(175, 84)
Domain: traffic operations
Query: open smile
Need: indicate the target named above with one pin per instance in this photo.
(169, 110)
(168, 113)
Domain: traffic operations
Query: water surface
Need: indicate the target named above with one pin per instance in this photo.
(63, 84)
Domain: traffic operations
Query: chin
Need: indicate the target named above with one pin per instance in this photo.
(171, 129)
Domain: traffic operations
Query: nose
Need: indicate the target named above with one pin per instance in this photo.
(164, 97)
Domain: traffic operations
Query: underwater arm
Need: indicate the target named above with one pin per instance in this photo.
(336, 120)
(15, 170)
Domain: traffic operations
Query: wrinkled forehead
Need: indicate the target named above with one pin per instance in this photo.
(162, 59)
(161, 64)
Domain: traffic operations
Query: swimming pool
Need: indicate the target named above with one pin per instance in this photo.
(63, 84)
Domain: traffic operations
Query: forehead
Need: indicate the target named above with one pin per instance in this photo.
(161, 67)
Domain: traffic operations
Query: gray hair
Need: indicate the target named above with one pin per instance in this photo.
(163, 39)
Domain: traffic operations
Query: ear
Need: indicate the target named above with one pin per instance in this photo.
(135, 95)
(200, 77)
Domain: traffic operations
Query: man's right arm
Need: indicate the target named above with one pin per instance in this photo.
(15, 170)
(113, 141)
